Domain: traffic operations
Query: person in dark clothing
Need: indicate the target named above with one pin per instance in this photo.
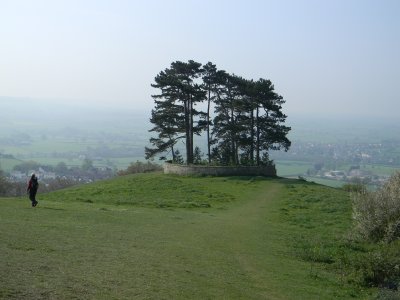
(33, 186)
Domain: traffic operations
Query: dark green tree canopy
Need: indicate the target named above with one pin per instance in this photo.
(242, 118)
(175, 115)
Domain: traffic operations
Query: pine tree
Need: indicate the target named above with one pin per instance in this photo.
(271, 134)
(166, 120)
(175, 115)
(247, 124)
(227, 123)
(209, 85)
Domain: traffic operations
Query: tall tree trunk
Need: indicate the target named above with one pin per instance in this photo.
(173, 153)
(236, 153)
(208, 125)
(233, 139)
(252, 136)
(187, 130)
(191, 130)
(258, 137)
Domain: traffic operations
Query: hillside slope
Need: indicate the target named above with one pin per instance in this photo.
(153, 236)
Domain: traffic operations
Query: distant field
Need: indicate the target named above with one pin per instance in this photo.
(155, 236)
(291, 168)
(374, 169)
(327, 182)
(120, 163)
(49, 146)
(380, 170)
(53, 151)
(106, 134)
(63, 145)
(331, 130)
(7, 164)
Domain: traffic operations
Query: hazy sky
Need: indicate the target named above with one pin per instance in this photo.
(325, 57)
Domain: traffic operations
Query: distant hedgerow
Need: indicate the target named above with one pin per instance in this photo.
(354, 187)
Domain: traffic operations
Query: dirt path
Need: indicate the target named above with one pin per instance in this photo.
(243, 239)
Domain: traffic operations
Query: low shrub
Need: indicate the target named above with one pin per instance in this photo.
(377, 223)
(354, 187)
(140, 167)
(380, 267)
(388, 294)
(377, 214)
(4, 184)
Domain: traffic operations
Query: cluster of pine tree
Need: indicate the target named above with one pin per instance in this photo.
(241, 118)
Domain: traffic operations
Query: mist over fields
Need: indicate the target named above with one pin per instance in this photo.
(51, 131)
(19, 114)
(24, 115)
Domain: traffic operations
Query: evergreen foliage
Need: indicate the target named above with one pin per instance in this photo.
(175, 113)
(247, 121)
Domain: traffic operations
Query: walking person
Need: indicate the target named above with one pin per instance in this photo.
(33, 186)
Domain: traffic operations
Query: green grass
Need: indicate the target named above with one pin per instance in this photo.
(155, 236)
(155, 191)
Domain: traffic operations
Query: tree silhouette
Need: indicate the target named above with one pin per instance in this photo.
(246, 123)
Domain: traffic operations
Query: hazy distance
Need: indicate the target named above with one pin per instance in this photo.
(337, 58)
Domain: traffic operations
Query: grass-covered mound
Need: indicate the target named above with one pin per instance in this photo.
(156, 190)
(163, 237)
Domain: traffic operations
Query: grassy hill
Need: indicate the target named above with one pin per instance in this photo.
(153, 236)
